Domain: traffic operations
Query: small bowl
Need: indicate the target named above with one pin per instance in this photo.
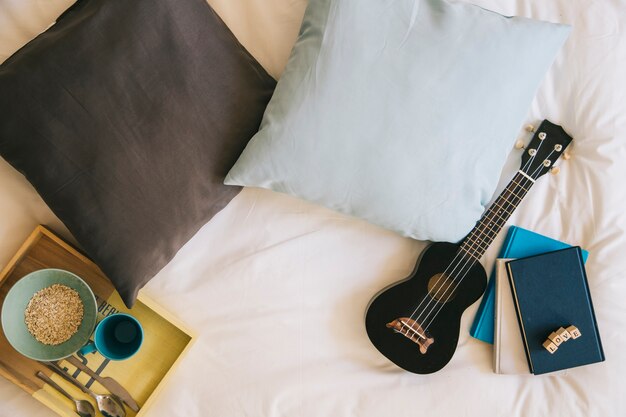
(15, 304)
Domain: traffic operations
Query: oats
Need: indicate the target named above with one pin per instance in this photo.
(54, 314)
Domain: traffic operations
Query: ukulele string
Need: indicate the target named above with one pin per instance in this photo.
(534, 176)
(426, 296)
(454, 275)
(467, 267)
(472, 260)
(471, 263)
(436, 285)
(459, 253)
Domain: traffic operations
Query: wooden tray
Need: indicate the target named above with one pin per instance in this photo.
(165, 339)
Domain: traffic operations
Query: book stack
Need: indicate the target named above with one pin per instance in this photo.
(542, 318)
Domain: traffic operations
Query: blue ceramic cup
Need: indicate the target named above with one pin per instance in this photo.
(117, 337)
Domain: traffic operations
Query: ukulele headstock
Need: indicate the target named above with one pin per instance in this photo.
(545, 148)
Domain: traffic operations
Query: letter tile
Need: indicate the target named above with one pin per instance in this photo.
(564, 334)
(573, 330)
(550, 347)
(555, 338)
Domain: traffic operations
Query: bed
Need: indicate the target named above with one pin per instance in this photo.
(276, 288)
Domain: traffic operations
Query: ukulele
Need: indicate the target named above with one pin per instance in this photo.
(415, 322)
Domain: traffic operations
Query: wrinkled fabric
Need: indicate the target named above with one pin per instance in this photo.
(275, 288)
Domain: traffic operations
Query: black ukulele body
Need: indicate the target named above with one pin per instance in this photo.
(414, 343)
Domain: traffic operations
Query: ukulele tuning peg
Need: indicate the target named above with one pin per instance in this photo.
(530, 128)
(555, 170)
(566, 155)
(519, 145)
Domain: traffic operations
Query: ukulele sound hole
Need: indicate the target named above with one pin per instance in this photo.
(441, 288)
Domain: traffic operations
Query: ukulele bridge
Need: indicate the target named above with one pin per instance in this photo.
(412, 330)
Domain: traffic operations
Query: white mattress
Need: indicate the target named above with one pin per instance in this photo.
(276, 288)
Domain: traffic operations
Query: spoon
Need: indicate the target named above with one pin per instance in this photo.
(83, 407)
(109, 405)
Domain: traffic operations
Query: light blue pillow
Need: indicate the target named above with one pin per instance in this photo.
(400, 112)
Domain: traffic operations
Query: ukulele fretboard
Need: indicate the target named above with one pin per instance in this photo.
(492, 221)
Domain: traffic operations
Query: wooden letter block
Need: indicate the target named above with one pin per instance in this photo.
(550, 347)
(573, 330)
(555, 338)
(563, 334)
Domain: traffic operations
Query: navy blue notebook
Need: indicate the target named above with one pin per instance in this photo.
(551, 291)
(519, 243)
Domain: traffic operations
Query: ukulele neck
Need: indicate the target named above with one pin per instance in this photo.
(478, 240)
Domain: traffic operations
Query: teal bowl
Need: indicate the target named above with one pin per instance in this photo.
(15, 304)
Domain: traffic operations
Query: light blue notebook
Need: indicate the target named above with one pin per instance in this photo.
(519, 243)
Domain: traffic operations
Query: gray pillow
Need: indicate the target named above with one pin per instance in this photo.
(126, 117)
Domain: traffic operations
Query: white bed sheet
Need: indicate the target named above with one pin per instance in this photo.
(276, 288)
